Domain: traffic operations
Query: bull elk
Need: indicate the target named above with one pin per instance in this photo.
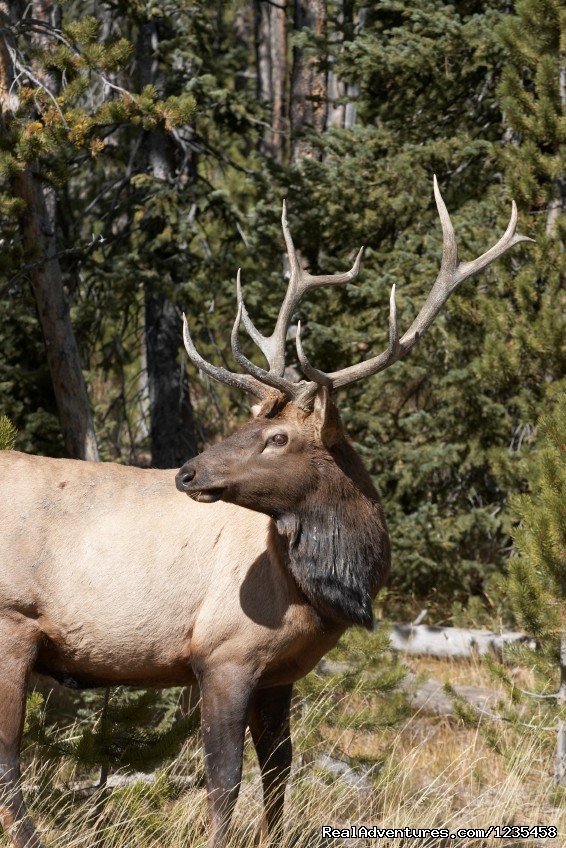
(108, 576)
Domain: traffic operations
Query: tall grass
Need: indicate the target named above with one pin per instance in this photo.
(424, 772)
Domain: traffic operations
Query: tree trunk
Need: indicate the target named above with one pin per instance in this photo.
(172, 426)
(39, 240)
(336, 109)
(271, 60)
(556, 205)
(343, 114)
(38, 228)
(309, 84)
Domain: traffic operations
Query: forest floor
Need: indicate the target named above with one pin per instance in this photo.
(354, 764)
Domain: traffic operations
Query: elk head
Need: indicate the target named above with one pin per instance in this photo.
(272, 463)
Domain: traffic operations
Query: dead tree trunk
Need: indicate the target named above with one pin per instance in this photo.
(342, 110)
(308, 84)
(556, 205)
(271, 60)
(172, 431)
(424, 639)
(38, 229)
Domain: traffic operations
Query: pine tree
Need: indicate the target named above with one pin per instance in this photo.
(537, 575)
(121, 728)
(7, 434)
(61, 92)
(533, 97)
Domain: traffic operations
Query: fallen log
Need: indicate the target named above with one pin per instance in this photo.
(457, 642)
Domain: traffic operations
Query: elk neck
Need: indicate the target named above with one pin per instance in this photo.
(336, 544)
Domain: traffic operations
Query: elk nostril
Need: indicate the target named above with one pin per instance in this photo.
(184, 478)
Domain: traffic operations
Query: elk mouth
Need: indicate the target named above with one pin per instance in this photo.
(206, 495)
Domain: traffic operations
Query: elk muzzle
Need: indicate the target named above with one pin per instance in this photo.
(197, 485)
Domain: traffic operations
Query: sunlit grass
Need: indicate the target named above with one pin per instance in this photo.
(423, 772)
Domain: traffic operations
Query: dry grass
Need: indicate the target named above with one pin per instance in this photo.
(425, 772)
(467, 672)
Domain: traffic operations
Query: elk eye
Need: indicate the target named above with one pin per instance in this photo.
(279, 439)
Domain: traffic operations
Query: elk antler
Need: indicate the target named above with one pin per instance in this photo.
(451, 274)
(300, 282)
(258, 381)
(221, 375)
(273, 346)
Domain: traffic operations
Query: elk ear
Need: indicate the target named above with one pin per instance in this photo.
(327, 418)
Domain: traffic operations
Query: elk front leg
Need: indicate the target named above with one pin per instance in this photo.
(18, 641)
(225, 698)
(270, 729)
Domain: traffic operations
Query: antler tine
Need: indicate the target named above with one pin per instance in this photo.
(451, 274)
(309, 370)
(300, 281)
(252, 330)
(312, 281)
(279, 383)
(305, 281)
(222, 375)
(273, 346)
(387, 358)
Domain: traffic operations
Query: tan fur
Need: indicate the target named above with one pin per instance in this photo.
(125, 580)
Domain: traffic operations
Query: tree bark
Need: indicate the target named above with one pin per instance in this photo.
(271, 60)
(343, 114)
(38, 228)
(309, 84)
(172, 431)
(172, 423)
(336, 110)
(39, 239)
(556, 205)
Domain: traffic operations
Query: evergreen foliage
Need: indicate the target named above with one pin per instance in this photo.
(536, 588)
(7, 434)
(537, 575)
(128, 729)
(363, 692)
(533, 98)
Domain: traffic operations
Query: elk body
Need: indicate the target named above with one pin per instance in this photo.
(109, 576)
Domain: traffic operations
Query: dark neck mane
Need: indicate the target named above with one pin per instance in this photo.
(337, 545)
